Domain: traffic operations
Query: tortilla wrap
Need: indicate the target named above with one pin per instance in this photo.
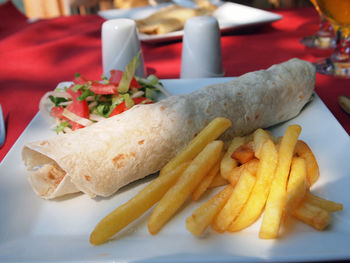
(101, 158)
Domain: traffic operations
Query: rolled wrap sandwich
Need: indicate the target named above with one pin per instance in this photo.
(101, 158)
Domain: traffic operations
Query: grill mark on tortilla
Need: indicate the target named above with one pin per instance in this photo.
(59, 179)
(118, 160)
(257, 115)
(141, 142)
(87, 178)
(56, 175)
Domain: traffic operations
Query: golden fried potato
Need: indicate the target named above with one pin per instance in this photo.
(313, 172)
(328, 205)
(277, 196)
(218, 181)
(205, 183)
(228, 163)
(198, 222)
(252, 167)
(259, 137)
(178, 193)
(211, 132)
(235, 203)
(297, 185)
(243, 153)
(312, 215)
(255, 204)
(135, 207)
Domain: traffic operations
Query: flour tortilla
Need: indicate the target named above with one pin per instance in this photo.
(101, 158)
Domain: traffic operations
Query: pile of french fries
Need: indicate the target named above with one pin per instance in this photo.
(263, 176)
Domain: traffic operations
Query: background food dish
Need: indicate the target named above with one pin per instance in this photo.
(230, 16)
(59, 230)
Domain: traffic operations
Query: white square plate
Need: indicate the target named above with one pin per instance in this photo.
(230, 16)
(36, 230)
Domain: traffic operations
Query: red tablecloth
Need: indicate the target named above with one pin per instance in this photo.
(36, 56)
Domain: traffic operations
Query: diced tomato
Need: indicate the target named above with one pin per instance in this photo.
(122, 106)
(135, 84)
(74, 94)
(138, 100)
(119, 109)
(103, 89)
(80, 80)
(116, 76)
(77, 107)
(57, 112)
(76, 126)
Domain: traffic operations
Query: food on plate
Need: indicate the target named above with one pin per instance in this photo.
(236, 201)
(130, 3)
(206, 181)
(184, 186)
(146, 198)
(312, 215)
(275, 202)
(212, 131)
(297, 185)
(235, 206)
(204, 215)
(172, 18)
(249, 198)
(227, 163)
(252, 210)
(218, 181)
(313, 172)
(322, 203)
(135, 207)
(84, 102)
(101, 158)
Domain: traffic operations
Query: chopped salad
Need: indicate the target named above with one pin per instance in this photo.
(86, 101)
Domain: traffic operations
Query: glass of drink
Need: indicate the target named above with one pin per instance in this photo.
(323, 39)
(337, 12)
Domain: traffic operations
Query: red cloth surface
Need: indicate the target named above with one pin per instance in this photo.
(36, 56)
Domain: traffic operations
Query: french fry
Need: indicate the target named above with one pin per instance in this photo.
(227, 162)
(277, 197)
(184, 186)
(236, 201)
(312, 215)
(296, 187)
(135, 207)
(204, 184)
(211, 132)
(253, 208)
(218, 181)
(313, 172)
(201, 218)
(259, 137)
(328, 205)
(252, 167)
(243, 153)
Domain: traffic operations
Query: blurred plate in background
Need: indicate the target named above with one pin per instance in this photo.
(230, 16)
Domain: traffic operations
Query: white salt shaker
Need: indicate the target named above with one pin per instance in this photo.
(120, 43)
(201, 48)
